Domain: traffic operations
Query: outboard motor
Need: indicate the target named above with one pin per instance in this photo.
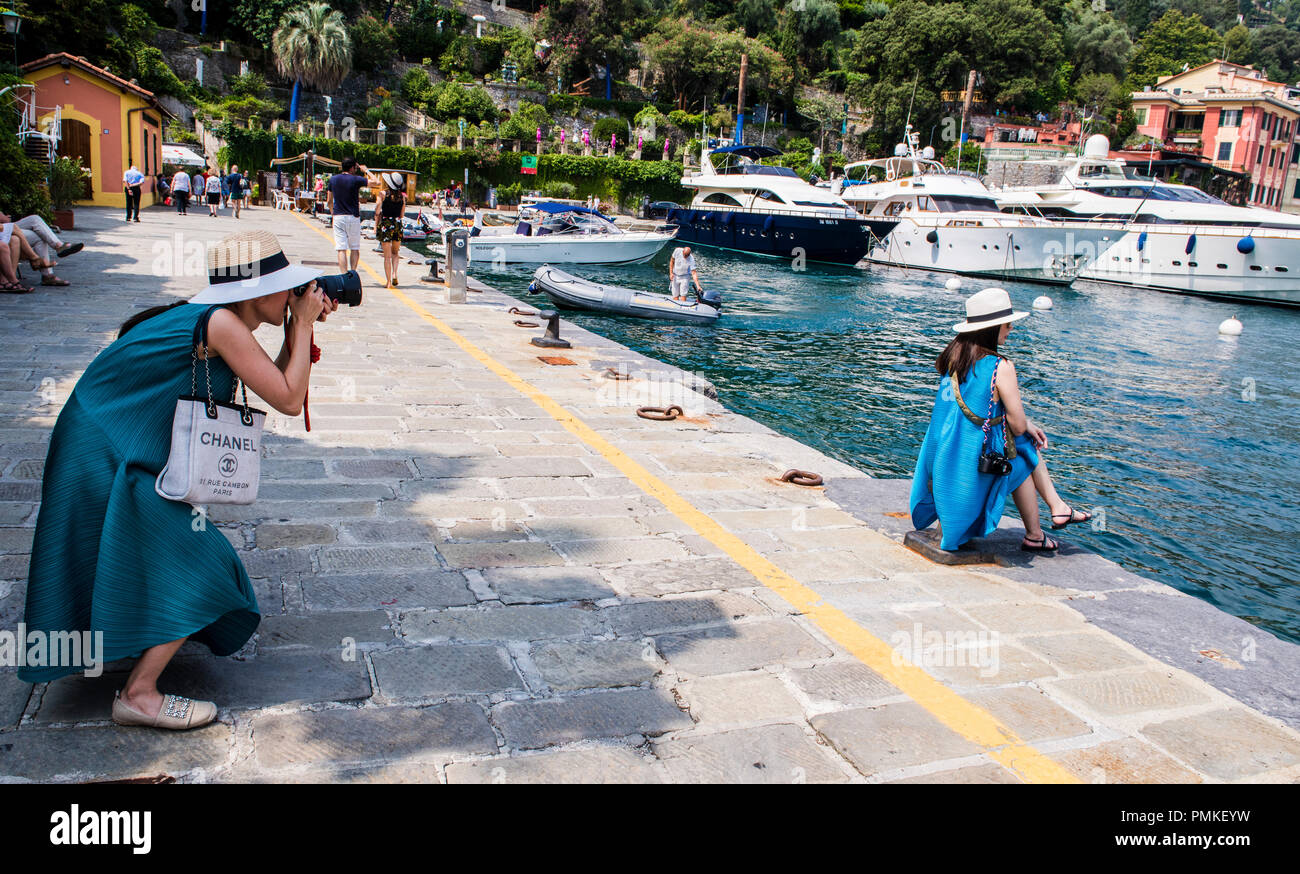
(712, 297)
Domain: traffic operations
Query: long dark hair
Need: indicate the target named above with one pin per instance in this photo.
(146, 314)
(967, 348)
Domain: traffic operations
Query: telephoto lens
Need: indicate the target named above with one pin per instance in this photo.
(341, 287)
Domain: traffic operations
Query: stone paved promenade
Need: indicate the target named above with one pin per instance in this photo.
(480, 567)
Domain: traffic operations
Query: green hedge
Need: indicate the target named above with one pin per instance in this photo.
(609, 178)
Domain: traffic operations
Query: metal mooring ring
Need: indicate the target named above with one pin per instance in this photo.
(524, 324)
(801, 477)
(659, 414)
(518, 312)
(614, 373)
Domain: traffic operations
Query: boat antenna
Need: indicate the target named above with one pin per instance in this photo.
(910, 103)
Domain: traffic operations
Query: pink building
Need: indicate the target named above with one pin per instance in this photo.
(106, 121)
(1234, 117)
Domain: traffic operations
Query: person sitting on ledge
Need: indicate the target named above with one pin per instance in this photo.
(46, 246)
(17, 250)
(969, 462)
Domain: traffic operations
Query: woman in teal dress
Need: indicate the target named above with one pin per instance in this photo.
(110, 555)
(948, 485)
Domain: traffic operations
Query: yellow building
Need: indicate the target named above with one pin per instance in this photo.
(107, 122)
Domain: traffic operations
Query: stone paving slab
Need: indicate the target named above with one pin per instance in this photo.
(600, 765)
(535, 724)
(527, 611)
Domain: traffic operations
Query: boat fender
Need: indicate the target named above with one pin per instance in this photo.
(932, 237)
(1142, 241)
(1246, 245)
(532, 287)
(1191, 244)
(768, 223)
(728, 219)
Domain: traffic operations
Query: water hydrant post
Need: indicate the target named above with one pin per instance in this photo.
(456, 267)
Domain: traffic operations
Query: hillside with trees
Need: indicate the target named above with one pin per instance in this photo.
(537, 68)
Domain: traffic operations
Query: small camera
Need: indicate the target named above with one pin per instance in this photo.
(341, 287)
(995, 463)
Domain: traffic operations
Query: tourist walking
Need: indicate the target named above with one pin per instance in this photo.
(132, 184)
(235, 185)
(181, 191)
(213, 189)
(343, 200)
(388, 223)
(110, 555)
(981, 445)
(198, 186)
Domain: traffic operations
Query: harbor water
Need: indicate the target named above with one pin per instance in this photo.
(1182, 442)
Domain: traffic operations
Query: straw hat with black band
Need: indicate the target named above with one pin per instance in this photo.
(987, 308)
(247, 265)
(395, 181)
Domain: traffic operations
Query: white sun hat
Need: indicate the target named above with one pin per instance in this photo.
(250, 264)
(987, 308)
(395, 181)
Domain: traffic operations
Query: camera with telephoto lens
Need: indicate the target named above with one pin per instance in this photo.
(995, 463)
(341, 287)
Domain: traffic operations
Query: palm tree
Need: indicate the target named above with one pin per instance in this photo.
(312, 47)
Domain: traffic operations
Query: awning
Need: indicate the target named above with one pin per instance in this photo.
(551, 208)
(182, 156)
(754, 153)
(328, 162)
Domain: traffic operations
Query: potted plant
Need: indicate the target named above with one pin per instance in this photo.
(67, 185)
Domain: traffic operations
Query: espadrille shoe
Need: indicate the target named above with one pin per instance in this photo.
(176, 713)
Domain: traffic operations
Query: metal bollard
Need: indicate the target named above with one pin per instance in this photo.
(432, 275)
(551, 339)
(457, 264)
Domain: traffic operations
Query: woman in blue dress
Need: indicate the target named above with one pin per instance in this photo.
(110, 555)
(979, 386)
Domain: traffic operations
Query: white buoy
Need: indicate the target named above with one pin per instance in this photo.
(1042, 302)
(953, 284)
(1231, 327)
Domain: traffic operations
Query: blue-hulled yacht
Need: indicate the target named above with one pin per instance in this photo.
(743, 205)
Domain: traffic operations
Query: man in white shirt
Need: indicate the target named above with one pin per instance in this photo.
(132, 182)
(681, 273)
(181, 191)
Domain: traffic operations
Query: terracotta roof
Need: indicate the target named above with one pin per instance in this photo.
(64, 59)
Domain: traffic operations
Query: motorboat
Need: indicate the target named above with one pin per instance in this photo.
(572, 292)
(948, 221)
(561, 233)
(1178, 239)
(746, 206)
(413, 229)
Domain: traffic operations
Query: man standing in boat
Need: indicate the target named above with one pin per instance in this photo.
(681, 273)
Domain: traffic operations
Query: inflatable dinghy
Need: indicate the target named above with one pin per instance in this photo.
(572, 292)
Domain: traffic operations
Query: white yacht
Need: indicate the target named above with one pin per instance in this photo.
(949, 222)
(1179, 238)
(746, 206)
(564, 233)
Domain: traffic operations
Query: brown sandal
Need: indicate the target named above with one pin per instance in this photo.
(15, 288)
(54, 280)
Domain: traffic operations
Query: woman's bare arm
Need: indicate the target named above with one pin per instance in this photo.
(1008, 389)
(284, 389)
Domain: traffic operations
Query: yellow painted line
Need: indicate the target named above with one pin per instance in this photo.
(961, 716)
